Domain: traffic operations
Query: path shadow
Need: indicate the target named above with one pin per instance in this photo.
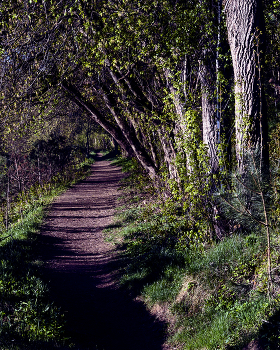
(98, 316)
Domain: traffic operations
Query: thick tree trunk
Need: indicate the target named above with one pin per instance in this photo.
(211, 125)
(209, 115)
(245, 25)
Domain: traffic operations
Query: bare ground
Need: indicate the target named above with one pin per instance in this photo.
(82, 269)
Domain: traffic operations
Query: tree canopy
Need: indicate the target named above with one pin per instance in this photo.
(184, 87)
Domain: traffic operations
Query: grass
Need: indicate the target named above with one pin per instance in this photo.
(28, 318)
(216, 292)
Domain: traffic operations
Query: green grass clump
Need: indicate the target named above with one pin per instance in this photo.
(222, 329)
(233, 308)
(216, 294)
(28, 318)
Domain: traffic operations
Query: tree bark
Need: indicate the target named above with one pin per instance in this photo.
(76, 97)
(245, 25)
(208, 104)
(180, 129)
(169, 152)
(130, 135)
(122, 133)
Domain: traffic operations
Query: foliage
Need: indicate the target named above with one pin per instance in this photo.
(27, 174)
(156, 76)
(215, 292)
(248, 201)
(27, 315)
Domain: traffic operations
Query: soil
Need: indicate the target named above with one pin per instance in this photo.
(81, 269)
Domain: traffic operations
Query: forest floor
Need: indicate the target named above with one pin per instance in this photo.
(82, 269)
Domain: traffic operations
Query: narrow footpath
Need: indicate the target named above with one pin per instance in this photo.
(82, 268)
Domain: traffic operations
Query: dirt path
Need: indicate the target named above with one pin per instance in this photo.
(81, 269)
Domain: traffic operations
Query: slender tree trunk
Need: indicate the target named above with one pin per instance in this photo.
(121, 132)
(87, 135)
(180, 130)
(169, 153)
(39, 171)
(20, 184)
(116, 146)
(115, 132)
(8, 201)
(245, 25)
(218, 69)
(130, 134)
(152, 146)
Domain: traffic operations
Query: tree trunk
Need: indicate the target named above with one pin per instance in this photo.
(181, 132)
(169, 153)
(130, 134)
(208, 104)
(122, 132)
(245, 25)
(76, 97)
(87, 137)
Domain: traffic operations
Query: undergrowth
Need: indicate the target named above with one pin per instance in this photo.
(28, 318)
(215, 291)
